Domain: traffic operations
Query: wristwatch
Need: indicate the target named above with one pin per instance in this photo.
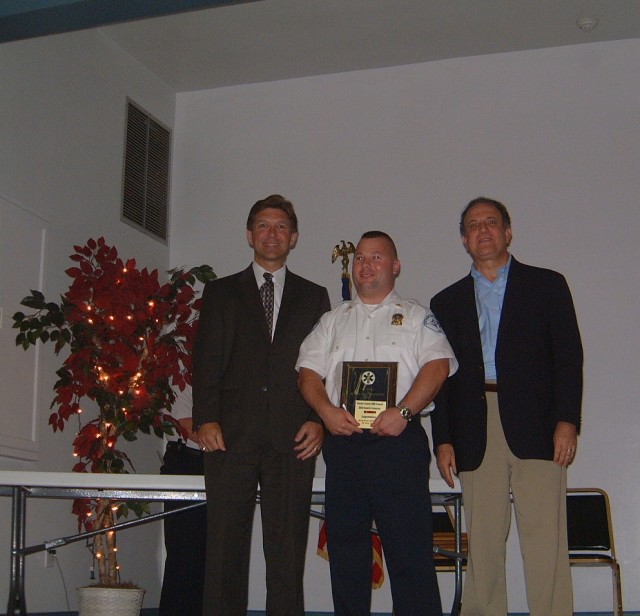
(405, 412)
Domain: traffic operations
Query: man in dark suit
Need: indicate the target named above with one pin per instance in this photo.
(251, 420)
(508, 419)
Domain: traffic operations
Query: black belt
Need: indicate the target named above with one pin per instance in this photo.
(180, 447)
(491, 387)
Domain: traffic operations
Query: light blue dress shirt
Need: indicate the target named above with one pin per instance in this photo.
(489, 298)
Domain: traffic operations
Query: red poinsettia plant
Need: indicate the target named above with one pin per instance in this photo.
(130, 341)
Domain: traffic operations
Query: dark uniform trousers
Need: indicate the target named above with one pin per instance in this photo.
(185, 539)
(385, 479)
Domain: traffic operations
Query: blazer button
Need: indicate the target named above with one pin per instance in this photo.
(265, 388)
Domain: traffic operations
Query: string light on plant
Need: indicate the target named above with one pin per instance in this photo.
(105, 364)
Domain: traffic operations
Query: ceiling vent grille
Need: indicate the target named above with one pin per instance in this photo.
(145, 193)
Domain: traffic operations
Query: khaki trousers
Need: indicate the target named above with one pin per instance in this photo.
(538, 488)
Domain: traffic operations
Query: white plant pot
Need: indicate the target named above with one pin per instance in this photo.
(94, 601)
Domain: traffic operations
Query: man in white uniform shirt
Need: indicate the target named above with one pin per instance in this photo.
(378, 472)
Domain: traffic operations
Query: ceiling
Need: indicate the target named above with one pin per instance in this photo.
(268, 40)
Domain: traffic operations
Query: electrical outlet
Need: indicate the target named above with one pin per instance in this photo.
(49, 558)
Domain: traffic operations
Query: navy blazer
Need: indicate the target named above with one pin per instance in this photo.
(241, 378)
(538, 364)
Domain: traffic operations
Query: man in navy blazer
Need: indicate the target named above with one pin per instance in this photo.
(508, 420)
(252, 422)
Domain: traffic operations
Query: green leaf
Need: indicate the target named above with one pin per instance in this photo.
(36, 300)
(57, 318)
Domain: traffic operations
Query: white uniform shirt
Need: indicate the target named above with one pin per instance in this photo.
(397, 329)
(182, 408)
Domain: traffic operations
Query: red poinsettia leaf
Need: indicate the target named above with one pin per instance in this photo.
(73, 272)
(86, 267)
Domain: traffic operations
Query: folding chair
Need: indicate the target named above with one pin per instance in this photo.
(591, 535)
(444, 541)
(445, 555)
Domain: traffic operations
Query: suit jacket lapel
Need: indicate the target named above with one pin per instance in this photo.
(469, 333)
(290, 296)
(512, 298)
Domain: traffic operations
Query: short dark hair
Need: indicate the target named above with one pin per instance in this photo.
(370, 235)
(506, 219)
(277, 202)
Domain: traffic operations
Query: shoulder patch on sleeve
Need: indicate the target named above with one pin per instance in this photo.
(430, 322)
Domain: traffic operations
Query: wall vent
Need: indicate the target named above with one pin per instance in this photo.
(145, 192)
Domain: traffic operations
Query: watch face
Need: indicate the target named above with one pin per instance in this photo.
(406, 413)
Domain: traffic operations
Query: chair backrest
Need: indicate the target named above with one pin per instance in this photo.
(590, 533)
(589, 520)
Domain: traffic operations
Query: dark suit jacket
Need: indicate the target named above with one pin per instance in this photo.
(538, 364)
(241, 378)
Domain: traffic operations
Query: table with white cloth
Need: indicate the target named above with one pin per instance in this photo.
(22, 485)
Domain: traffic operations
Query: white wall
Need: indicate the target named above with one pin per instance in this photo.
(553, 133)
(62, 104)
